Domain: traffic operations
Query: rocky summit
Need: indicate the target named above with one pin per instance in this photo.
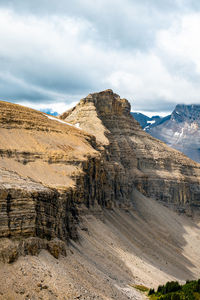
(51, 170)
(86, 183)
(133, 156)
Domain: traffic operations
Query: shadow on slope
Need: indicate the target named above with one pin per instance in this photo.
(147, 245)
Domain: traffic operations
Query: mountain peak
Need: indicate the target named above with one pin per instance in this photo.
(94, 112)
(107, 103)
(181, 130)
(187, 113)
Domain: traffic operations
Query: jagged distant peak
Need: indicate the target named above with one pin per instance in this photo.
(181, 130)
(183, 112)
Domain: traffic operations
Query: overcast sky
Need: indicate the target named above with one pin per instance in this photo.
(54, 52)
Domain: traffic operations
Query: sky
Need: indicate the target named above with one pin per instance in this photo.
(53, 53)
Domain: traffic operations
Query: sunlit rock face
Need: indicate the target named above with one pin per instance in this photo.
(41, 160)
(181, 131)
(138, 159)
(53, 171)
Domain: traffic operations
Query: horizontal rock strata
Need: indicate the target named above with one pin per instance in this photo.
(52, 172)
(155, 169)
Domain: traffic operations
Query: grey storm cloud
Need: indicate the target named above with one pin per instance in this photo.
(128, 23)
(53, 52)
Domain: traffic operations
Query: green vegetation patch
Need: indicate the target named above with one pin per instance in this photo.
(140, 287)
(174, 291)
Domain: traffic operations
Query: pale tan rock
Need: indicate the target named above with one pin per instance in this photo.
(133, 157)
(51, 172)
(58, 182)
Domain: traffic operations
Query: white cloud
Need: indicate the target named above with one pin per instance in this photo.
(182, 39)
(146, 52)
(56, 106)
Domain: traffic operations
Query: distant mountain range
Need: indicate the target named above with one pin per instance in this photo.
(180, 130)
(146, 122)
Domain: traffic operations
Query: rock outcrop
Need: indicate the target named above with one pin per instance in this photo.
(52, 172)
(138, 159)
(41, 162)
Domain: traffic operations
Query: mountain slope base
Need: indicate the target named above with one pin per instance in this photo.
(147, 244)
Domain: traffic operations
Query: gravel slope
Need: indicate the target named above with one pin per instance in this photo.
(148, 244)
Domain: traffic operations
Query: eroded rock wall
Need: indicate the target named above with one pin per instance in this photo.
(30, 209)
(51, 172)
(140, 160)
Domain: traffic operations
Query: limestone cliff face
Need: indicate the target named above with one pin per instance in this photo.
(41, 162)
(134, 157)
(52, 172)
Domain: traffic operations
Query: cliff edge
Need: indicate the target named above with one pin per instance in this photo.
(84, 181)
(153, 168)
(52, 173)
